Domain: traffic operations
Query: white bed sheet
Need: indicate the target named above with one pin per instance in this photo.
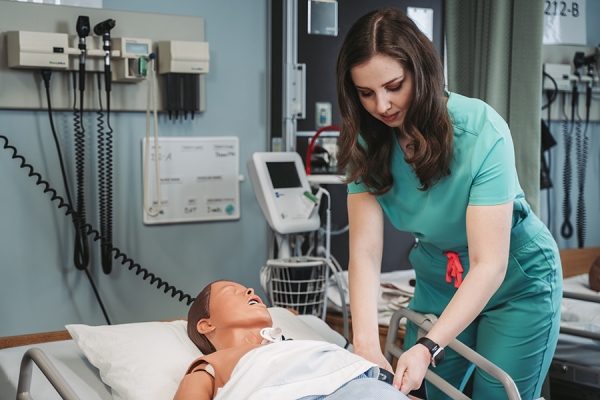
(583, 315)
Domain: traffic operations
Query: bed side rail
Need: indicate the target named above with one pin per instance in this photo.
(580, 332)
(594, 298)
(424, 322)
(37, 356)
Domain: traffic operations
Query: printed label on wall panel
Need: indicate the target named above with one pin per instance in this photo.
(564, 22)
(199, 179)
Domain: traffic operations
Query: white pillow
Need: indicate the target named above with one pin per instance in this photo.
(147, 360)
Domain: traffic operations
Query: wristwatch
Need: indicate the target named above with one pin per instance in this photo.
(437, 352)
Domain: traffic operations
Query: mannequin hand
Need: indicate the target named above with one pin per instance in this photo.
(411, 368)
(374, 355)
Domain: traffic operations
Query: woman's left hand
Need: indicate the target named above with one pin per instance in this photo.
(411, 368)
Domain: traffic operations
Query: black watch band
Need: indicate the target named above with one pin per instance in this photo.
(437, 352)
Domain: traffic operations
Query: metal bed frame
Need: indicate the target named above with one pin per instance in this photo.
(587, 377)
(425, 323)
(39, 358)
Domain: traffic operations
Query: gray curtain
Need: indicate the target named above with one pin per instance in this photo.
(494, 53)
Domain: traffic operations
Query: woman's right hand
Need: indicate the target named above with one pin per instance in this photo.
(373, 354)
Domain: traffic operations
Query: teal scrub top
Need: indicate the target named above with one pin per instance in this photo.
(482, 172)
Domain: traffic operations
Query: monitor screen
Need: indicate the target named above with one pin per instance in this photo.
(284, 174)
(136, 48)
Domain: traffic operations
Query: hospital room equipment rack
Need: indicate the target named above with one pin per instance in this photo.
(300, 283)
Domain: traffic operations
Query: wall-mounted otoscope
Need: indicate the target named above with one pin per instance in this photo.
(590, 62)
(103, 29)
(83, 30)
(578, 63)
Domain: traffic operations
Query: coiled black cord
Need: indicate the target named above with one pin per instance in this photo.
(580, 213)
(94, 234)
(107, 264)
(82, 252)
(566, 229)
(105, 256)
(582, 155)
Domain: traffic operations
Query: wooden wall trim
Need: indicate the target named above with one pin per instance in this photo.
(578, 261)
(34, 338)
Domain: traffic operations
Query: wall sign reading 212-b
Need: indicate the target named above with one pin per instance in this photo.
(564, 22)
(563, 8)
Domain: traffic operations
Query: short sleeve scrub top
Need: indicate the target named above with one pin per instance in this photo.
(482, 173)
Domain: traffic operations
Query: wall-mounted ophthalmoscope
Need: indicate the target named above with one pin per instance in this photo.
(103, 29)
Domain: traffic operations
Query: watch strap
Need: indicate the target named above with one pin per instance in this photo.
(436, 351)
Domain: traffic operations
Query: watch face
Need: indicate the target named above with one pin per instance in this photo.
(437, 357)
(437, 352)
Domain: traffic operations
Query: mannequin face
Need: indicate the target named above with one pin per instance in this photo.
(235, 306)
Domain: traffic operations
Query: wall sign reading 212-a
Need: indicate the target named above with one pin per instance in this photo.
(564, 22)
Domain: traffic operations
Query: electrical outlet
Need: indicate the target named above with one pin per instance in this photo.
(322, 114)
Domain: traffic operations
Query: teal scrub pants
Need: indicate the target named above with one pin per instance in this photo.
(518, 328)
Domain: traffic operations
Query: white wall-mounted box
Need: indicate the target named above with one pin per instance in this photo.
(37, 50)
(177, 56)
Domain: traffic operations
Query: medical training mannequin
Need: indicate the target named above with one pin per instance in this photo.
(441, 166)
(225, 323)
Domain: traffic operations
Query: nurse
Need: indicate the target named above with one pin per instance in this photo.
(441, 165)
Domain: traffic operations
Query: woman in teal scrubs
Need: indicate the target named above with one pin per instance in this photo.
(441, 165)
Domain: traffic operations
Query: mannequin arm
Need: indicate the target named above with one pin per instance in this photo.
(195, 386)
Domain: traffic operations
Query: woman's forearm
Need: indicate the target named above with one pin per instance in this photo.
(488, 235)
(365, 218)
(477, 288)
(364, 290)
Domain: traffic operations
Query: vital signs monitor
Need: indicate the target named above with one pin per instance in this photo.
(283, 192)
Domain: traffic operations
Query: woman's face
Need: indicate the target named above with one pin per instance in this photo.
(385, 89)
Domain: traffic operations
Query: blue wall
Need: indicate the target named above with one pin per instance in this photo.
(40, 290)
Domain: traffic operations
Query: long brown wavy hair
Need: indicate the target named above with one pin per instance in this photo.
(390, 32)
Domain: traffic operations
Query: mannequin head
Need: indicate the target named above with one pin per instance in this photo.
(226, 314)
(595, 275)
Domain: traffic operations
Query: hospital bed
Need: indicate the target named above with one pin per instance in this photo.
(575, 369)
(143, 360)
(156, 354)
